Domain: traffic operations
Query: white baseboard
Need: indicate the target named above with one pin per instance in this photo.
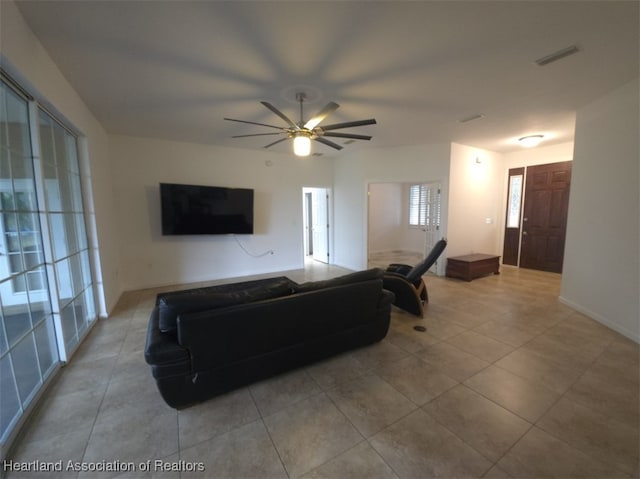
(632, 335)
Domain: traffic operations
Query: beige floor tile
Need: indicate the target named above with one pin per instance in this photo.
(220, 456)
(337, 370)
(379, 354)
(527, 399)
(280, 391)
(133, 396)
(496, 473)
(370, 403)
(418, 447)
(408, 339)
(90, 376)
(620, 362)
(531, 366)
(164, 468)
(452, 361)
(579, 322)
(471, 315)
(216, 416)
(506, 332)
(59, 414)
(358, 463)
(488, 428)
(540, 455)
(104, 341)
(440, 327)
(480, 346)
(564, 346)
(130, 366)
(148, 435)
(417, 380)
(68, 445)
(595, 434)
(310, 433)
(618, 399)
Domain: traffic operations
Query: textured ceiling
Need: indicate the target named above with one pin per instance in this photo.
(174, 69)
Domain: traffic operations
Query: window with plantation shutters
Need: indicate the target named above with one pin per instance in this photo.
(417, 205)
(424, 205)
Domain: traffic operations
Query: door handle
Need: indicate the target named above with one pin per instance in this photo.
(524, 233)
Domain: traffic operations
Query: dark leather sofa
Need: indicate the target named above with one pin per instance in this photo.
(207, 341)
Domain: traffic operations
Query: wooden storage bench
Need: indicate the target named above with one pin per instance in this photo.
(472, 266)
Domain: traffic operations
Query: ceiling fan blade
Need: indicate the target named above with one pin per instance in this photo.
(275, 142)
(349, 124)
(328, 143)
(254, 123)
(348, 135)
(321, 115)
(280, 114)
(256, 134)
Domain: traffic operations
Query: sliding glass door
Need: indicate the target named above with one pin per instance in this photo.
(46, 286)
(70, 251)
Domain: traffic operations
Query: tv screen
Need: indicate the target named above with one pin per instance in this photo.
(205, 210)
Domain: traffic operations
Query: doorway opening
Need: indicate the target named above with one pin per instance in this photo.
(404, 222)
(316, 222)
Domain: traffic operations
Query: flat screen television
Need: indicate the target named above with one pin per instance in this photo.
(205, 210)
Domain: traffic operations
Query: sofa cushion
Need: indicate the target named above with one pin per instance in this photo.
(172, 305)
(357, 277)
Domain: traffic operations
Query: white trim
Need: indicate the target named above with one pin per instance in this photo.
(632, 335)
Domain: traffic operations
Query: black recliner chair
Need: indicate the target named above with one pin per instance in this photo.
(406, 281)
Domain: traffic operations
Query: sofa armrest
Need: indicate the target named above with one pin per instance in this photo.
(162, 348)
(386, 298)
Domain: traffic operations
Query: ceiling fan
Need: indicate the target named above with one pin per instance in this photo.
(303, 132)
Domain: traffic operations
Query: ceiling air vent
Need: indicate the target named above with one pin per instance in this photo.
(565, 52)
(476, 116)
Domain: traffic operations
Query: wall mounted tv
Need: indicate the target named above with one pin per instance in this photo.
(205, 210)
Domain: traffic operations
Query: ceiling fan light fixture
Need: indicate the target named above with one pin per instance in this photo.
(301, 144)
(531, 140)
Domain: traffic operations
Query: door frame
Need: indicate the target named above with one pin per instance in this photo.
(525, 172)
(307, 222)
(439, 266)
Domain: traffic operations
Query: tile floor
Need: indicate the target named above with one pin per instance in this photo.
(506, 382)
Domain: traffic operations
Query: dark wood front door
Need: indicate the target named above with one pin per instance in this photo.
(544, 220)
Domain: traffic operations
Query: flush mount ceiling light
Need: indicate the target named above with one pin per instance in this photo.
(531, 140)
(303, 132)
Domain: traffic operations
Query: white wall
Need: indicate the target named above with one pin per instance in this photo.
(23, 57)
(537, 156)
(601, 265)
(385, 217)
(352, 175)
(150, 259)
(476, 193)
